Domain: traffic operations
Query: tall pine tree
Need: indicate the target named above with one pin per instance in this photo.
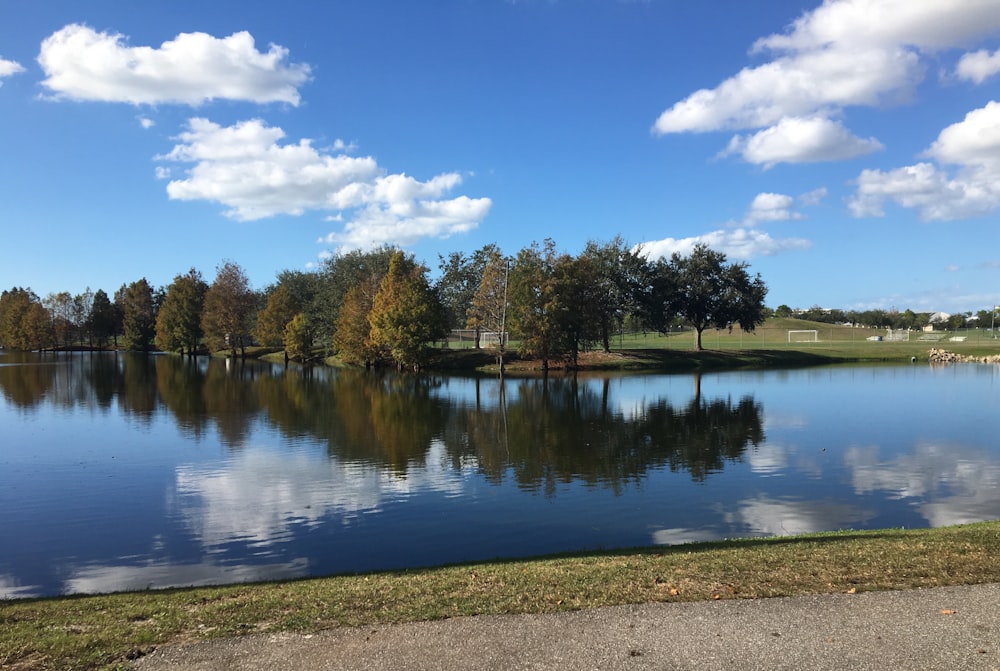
(406, 316)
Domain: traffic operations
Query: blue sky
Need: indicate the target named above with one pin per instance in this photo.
(848, 150)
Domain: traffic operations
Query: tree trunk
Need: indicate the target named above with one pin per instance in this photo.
(697, 339)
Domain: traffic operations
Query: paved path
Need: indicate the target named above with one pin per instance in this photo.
(944, 628)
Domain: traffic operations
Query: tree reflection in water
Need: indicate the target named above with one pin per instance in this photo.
(561, 430)
(539, 431)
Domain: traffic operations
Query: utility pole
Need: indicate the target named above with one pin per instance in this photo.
(503, 313)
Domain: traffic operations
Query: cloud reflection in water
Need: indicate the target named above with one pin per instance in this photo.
(258, 496)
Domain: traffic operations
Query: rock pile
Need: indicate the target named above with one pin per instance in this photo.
(944, 356)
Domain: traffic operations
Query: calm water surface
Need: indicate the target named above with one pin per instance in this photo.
(130, 472)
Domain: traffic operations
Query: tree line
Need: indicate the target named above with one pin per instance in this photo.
(380, 307)
(893, 319)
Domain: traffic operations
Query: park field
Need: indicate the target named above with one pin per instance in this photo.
(767, 347)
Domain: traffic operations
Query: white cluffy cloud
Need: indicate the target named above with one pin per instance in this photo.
(888, 24)
(745, 241)
(247, 168)
(8, 68)
(738, 243)
(979, 66)
(801, 140)
(844, 53)
(193, 68)
(772, 207)
(973, 145)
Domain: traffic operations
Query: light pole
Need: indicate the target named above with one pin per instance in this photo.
(993, 318)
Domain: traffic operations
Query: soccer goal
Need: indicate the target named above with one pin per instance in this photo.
(899, 335)
(804, 335)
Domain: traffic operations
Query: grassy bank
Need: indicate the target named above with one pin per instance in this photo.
(102, 632)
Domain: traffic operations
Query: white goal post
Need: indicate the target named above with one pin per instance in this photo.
(803, 335)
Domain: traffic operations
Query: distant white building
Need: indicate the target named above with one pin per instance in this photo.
(938, 317)
(935, 318)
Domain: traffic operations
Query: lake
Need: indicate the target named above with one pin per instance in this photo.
(123, 471)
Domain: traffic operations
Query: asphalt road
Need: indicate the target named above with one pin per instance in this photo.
(942, 628)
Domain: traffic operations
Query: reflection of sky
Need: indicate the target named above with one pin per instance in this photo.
(631, 396)
(943, 484)
(768, 459)
(949, 484)
(11, 588)
(96, 579)
(258, 495)
(682, 535)
(765, 516)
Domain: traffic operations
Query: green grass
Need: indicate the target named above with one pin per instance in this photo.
(767, 347)
(100, 632)
(846, 340)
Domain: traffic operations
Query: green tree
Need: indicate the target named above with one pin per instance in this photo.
(13, 309)
(532, 292)
(301, 285)
(339, 275)
(294, 292)
(577, 307)
(118, 303)
(101, 320)
(656, 294)
(138, 316)
(297, 341)
(406, 315)
(352, 339)
(81, 310)
(25, 324)
(60, 307)
(228, 311)
(714, 293)
(618, 273)
(37, 327)
(874, 319)
(957, 321)
(783, 311)
(987, 319)
(817, 313)
(178, 321)
(280, 309)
